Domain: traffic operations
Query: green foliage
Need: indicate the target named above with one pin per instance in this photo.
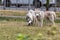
(22, 37)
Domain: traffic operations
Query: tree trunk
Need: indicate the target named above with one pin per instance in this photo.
(0, 1)
(47, 4)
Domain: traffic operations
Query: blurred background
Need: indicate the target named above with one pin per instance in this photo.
(29, 4)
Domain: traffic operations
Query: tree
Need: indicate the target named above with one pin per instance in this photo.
(7, 3)
(58, 2)
(47, 4)
(37, 3)
(0, 1)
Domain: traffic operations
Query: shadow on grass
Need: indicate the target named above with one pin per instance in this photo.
(11, 19)
(57, 21)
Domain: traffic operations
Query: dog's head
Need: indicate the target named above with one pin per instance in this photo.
(29, 21)
(38, 16)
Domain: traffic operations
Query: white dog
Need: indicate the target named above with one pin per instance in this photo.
(31, 17)
(40, 16)
(35, 17)
(51, 16)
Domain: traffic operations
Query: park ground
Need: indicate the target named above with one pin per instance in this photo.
(11, 27)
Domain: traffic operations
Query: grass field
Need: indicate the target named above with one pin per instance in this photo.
(10, 29)
(17, 13)
(13, 12)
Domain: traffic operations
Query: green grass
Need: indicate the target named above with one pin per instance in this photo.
(11, 19)
(18, 19)
(10, 29)
(57, 21)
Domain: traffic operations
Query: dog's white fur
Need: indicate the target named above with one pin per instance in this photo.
(51, 15)
(32, 16)
(42, 15)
